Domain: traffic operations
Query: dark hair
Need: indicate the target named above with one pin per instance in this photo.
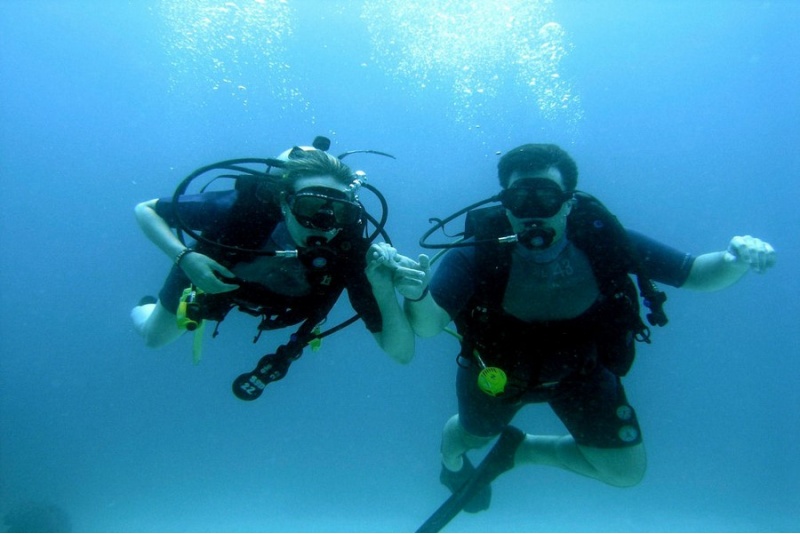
(536, 157)
(305, 163)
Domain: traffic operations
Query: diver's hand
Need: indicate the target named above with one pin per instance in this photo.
(386, 268)
(758, 255)
(386, 265)
(204, 273)
(414, 280)
(379, 269)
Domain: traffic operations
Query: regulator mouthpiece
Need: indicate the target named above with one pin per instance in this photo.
(536, 236)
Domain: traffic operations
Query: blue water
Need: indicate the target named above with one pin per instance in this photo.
(682, 116)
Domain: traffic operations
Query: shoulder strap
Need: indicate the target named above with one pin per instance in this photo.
(493, 260)
(596, 231)
(487, 223)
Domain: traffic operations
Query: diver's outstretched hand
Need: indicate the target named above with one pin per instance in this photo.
(757, 254)
(386, 266)
(204, 273)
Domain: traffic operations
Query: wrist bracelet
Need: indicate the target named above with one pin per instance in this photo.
(181, 254)
(424, 294)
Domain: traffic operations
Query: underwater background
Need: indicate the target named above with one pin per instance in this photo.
(681, 115)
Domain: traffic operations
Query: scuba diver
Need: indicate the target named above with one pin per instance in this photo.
(282, 244)
(546, 311)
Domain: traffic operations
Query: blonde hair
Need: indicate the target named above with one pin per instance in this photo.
(305, 163)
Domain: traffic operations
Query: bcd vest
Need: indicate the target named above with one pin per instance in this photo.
(249, 223)
(606, 332)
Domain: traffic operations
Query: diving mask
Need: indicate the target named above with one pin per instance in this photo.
(323, 208)
(534, 198)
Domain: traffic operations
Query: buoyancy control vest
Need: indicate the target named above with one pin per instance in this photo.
(611, 324)
(247, 225)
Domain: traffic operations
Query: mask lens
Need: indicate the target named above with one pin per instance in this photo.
(345, 212)
(307, 205)
(321, 212)
(528, 202)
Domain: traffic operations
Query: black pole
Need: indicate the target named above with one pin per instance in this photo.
(499, 460)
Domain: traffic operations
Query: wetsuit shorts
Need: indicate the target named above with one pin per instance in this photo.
(171, 291)
(592, 405)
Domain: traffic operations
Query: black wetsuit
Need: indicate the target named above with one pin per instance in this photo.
(547, 339)
(278, 282)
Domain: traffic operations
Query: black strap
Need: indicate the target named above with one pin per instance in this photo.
(493, 259)
(614, 254)
(273, 367)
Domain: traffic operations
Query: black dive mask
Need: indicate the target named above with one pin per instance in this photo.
(534, 198)
(323, 208)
